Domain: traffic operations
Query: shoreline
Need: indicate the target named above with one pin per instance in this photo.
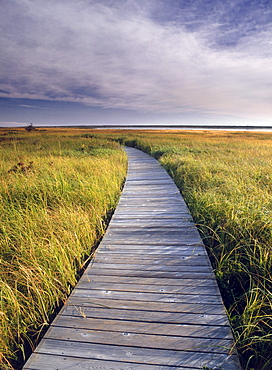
(153, 127)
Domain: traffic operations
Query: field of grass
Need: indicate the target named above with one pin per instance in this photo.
(226, 180)
(57, 189)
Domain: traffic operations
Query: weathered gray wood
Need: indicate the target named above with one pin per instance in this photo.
(173, 289)
(153, 239)
(129, 326)
(152, 215)
(177, 250)
(139, 355)
(126, 222)
(149, 299)
(147, 260)
(172, 261)
(150, 281)
(194, 344)
(169, 231)
(200, 308)
(55, 362)
(42, 361)
(177, 247)
(175, 268)
(150, 274)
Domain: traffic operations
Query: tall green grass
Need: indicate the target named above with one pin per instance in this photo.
(226, 180)
(56, 192)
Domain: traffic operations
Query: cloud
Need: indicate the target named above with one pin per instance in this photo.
(13, 124)
(131, 56)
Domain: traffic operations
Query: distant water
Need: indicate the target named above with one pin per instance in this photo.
(190, 127)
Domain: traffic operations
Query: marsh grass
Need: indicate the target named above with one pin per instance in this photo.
(226, 180)
(57, 190)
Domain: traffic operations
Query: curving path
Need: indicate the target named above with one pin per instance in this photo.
(149, 300)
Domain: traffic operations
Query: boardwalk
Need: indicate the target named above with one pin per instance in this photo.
(149, 300)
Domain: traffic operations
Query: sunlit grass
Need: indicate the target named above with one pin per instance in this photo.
(52, 213)
(226, 180)
(56, 192)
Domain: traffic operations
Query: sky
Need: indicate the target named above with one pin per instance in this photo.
(135, 62)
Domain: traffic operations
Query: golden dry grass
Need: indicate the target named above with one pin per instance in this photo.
(57, 190)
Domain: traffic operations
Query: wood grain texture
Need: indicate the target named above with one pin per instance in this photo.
(149, 299)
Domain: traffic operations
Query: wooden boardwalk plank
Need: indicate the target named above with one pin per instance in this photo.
(187, 318)
(149, 274)
(150, 281)
(129, 326)
(186, 343)
(149, 299)
(131, 287)
(42, 361)
(139, 355)
(140, 267)
(200, 308)
(147, 296)
(172, 261)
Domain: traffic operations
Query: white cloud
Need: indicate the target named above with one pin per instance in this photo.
(13, 124)
(112, 57)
